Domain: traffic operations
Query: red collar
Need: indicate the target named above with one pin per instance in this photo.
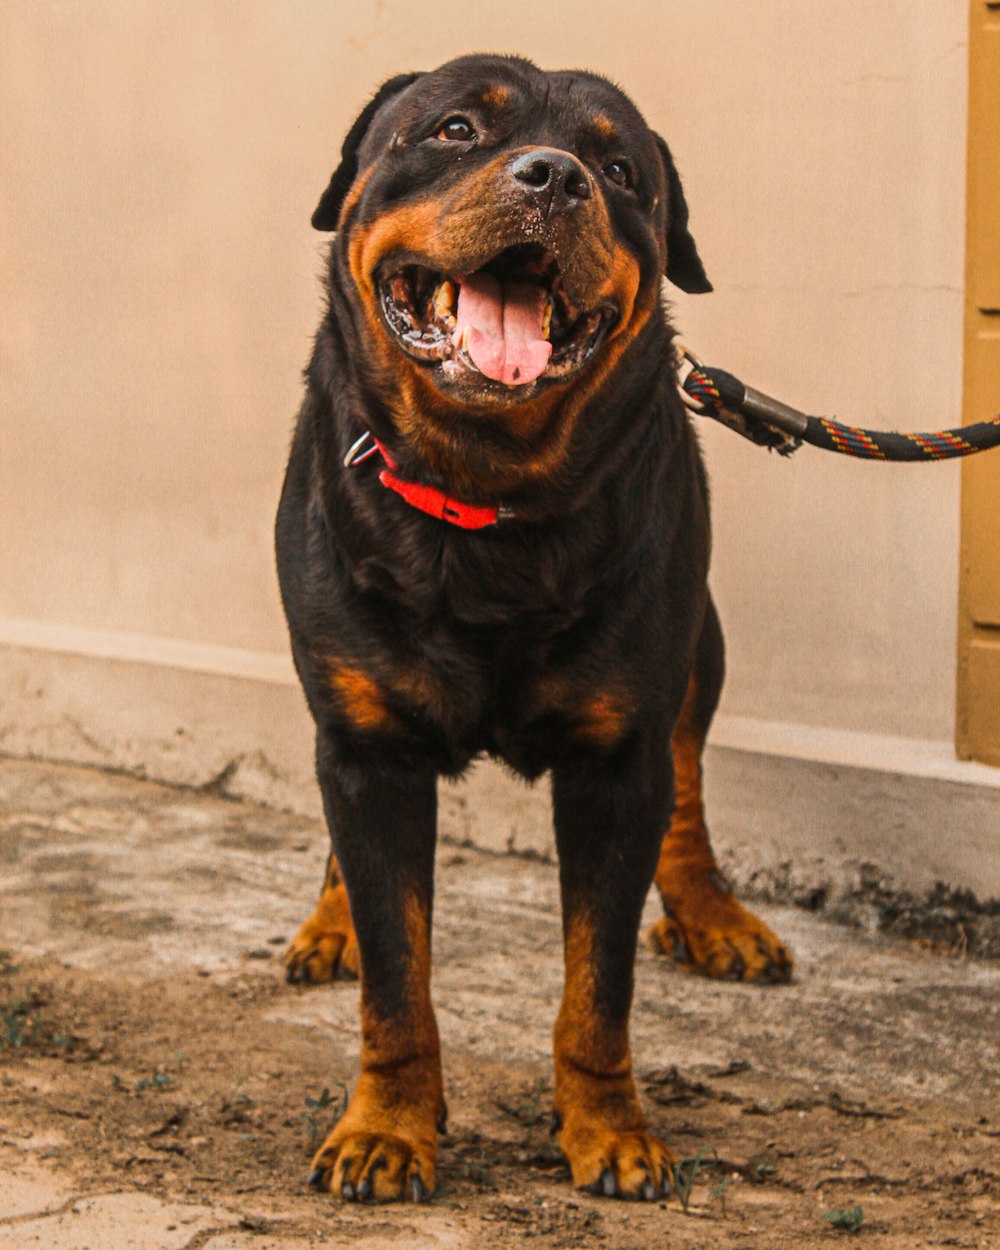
(427, 499)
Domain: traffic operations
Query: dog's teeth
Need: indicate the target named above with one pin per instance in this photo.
(547, 317)
(444, 300)
(464, 342)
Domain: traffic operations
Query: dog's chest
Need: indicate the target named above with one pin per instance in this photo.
(528, 693)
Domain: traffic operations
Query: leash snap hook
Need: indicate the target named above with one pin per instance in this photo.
(685, 362)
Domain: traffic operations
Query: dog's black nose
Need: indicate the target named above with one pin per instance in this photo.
(555, 181)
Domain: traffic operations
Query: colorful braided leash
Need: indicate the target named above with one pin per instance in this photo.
(770, 423)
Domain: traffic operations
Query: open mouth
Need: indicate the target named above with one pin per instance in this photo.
(510, 321)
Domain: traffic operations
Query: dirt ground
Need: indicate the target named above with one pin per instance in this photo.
(161, 1085)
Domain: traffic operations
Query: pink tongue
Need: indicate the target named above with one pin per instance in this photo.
(505, 328)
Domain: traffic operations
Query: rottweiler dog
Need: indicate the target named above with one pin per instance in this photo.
(493, 538)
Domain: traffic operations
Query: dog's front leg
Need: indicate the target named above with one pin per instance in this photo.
(382, 822)
(608, 816)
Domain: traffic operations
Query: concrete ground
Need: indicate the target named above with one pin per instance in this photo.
(160, 1084)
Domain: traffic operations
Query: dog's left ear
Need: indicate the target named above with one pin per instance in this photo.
(327, 211)
(684, 267)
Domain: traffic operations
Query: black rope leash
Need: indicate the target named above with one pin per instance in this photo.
(768, 422)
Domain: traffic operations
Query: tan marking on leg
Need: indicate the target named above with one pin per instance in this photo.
(602, 1129)
(706, 929)
(385, 1144)
(325, 948)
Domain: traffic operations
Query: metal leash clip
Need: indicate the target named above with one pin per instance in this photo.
(748, 416)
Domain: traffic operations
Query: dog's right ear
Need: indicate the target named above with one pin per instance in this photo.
(328, 210)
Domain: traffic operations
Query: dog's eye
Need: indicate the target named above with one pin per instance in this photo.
(456, 128)
(620, 173)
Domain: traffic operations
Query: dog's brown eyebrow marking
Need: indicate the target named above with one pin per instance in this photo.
(603, 124)
(496, 95)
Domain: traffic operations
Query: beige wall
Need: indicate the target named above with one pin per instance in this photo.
(159, 296)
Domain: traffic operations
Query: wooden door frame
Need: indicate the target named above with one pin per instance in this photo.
(978, 696)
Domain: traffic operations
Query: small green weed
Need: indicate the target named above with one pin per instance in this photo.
(19, 1023)
(476, 1170)
(322, 1104)
(159, 1080)
(527, 1113)
(683, 1175)
(719, 1191)
(22, 1019)
(849, 1219)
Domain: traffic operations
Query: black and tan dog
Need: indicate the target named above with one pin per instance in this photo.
(493, 537)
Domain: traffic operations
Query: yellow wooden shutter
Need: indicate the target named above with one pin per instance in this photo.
(978, 734)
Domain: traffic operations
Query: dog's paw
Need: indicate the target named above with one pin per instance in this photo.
(360, 1166)
(618, 1164)
(707, 930)
(325, 947)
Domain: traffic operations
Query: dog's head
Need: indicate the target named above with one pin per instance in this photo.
(504, 230)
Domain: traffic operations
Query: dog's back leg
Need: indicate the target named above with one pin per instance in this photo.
(326, 946)
(706, 929)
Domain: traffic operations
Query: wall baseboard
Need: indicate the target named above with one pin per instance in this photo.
(187, 715)
(934, 759)
(908, 757)
(273, 667)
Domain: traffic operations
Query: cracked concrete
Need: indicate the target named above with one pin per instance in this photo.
(121, 1221)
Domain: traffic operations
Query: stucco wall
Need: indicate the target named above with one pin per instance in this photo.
(160, 293)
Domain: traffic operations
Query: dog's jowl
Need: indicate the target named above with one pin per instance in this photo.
(493, 538)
